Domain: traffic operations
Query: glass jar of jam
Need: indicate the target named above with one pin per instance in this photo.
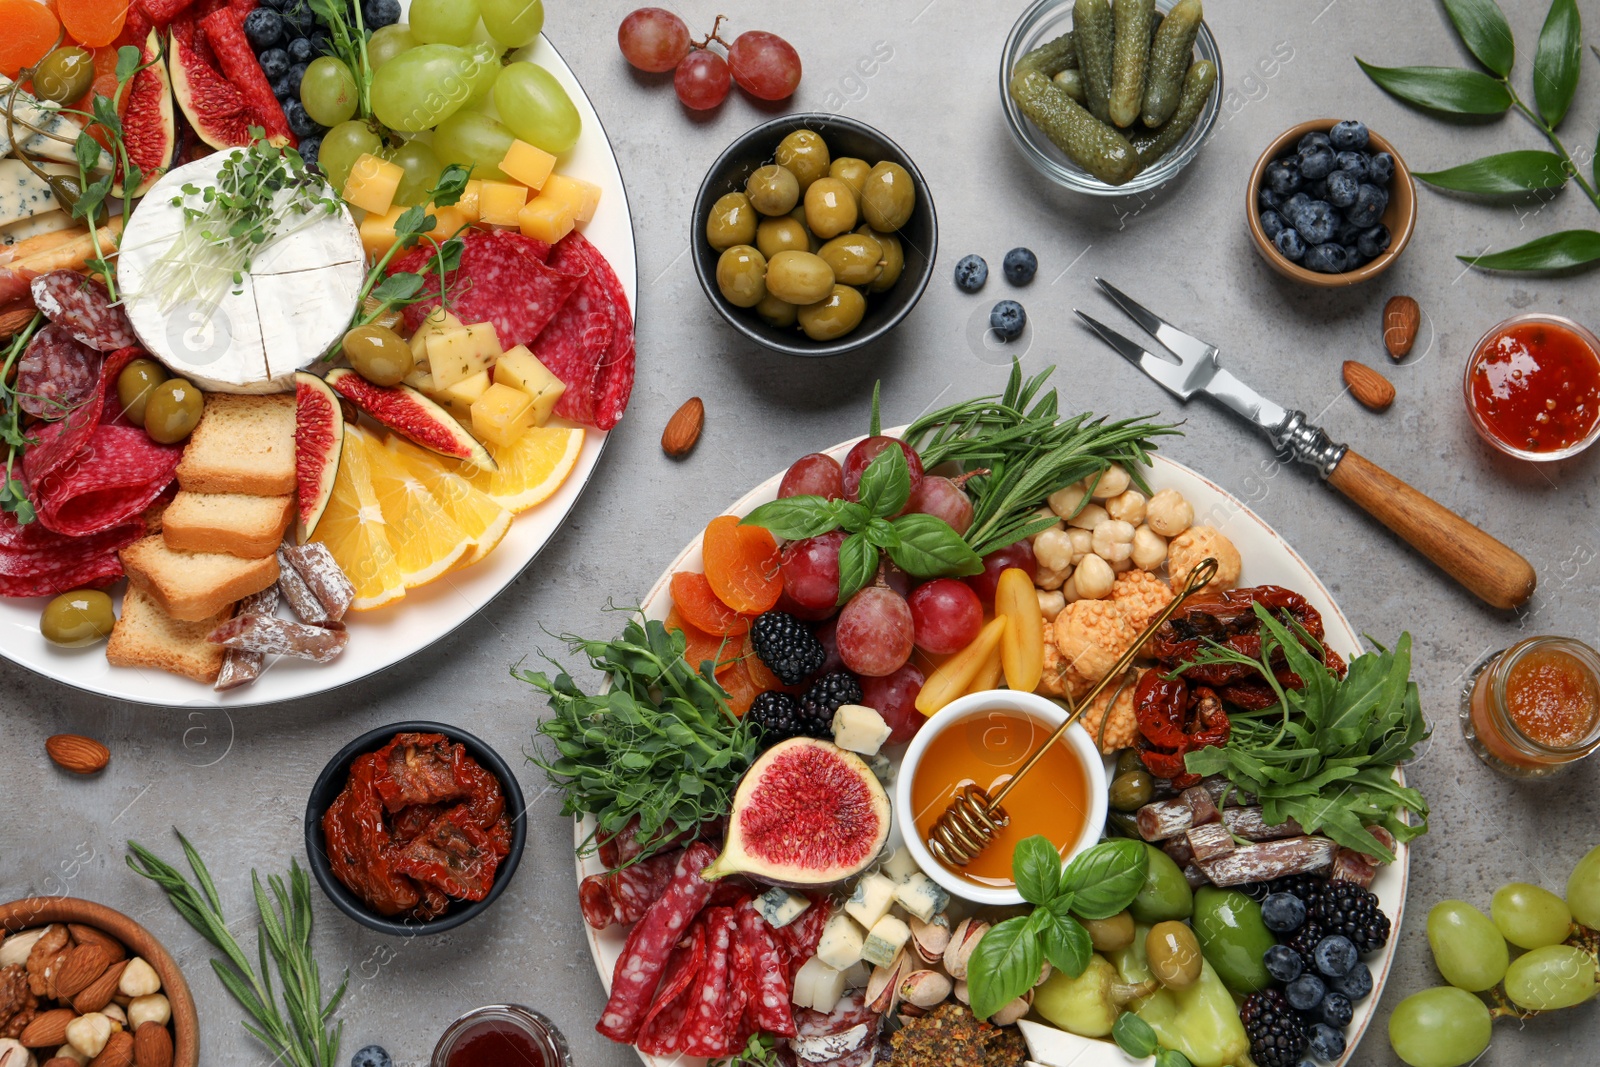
(1533, 387)
(1532, 710)
(502, 1035)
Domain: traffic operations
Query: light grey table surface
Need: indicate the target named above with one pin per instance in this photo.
(237, 783)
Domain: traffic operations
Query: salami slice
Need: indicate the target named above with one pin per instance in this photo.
(35, 561)
(659, 1033)
(589, 344)
(82, 305)
(500, 280)
(708, 1029)
(767, 986)
(623, 896)
(799, 939)
(56, 373)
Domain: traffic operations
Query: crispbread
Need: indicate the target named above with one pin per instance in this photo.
(146, 636)
(243, 444)
(238, 524)
(194, 586)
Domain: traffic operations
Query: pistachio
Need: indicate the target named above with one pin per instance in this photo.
(925, 989)
(963, 942)
(118, 1016)
(15, 948)
(883, 987)
(930, 939)
(1013, 1011)
(959, 991)
(13, 1053)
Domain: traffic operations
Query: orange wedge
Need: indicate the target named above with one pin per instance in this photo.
(477, 513)
(530, 469)
(353, 528)
(427, 541)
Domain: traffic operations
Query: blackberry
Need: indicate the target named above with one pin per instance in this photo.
(1277, 1033)
(1308, 887)
(1305, 941)
(1346, 908)
(781, 717)
(787, 646)
(824, 697)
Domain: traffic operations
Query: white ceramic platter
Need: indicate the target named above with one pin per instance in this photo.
(1268, 560)
(389, 635)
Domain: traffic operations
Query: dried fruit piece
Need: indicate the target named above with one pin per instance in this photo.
(31, 31)
(411, 415)
(1401, 320)
(683, 429)
(700, 606)
(78, 754)
(741, 689)
(1371, 389)
(95, 23)
(318, 440)
(742, 565)
(702, 646)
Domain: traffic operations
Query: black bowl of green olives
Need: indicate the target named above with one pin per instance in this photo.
(814, 235)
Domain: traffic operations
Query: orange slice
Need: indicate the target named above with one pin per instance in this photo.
(531, 469)
(476, 512)
(353, 528)
(427, 541)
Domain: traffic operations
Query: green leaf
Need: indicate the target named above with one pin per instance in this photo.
(1482, 25)
(1448, 89)
(1067, 945)
(1004, 966)
(795, 517)
(86, 150)
(1555, 64)
(1505, 174)
(1171, 1057)
(882, 534)
(886, 483)
(1106, 878)
(930, 548)
(1036, 868)
(1553, 251)
(397, 287)
(858, 562)
(452, 183)
(1134, 1036)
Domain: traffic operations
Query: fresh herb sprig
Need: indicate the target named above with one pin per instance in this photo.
(13, 494)
(307, 1037)
(1029, 452)
(660, 744)
(1324, 754)
(347, 34)
(760, 1051)
(1097, 884)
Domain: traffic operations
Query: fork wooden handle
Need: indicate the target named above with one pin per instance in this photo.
(1488, 569)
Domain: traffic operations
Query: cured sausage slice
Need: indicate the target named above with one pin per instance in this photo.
(56, 373)
(708, 1030)
(82, 305)
(623, 896)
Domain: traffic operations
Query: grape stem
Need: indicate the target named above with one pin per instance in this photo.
(1504, 1009)
(705, 42)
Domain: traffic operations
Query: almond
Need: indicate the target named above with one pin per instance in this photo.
(1401, 320)
(117, 1053)
(84, 964)
(78, 754)
(98, 993)
(48, 1029)
(1369, 387)
(152, 1046)
(12, 321)
(89, 935)
(62, 1061)
(683, 429)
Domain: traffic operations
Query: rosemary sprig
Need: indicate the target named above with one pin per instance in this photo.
(304, 1038)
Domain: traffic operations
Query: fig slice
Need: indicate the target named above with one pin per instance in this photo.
(318, 444)
(412, 416)
(149, 127)
(806, 814)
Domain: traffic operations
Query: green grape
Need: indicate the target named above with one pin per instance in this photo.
(342, 146)
(444, 21)
(422, 168)
(536, 108)
(1440, 1027)
(419, 89)
(513, 23)
(482, 71)
(1467, 948)
(328, 91)
(1555, 976)
(474, 140)
(1583, 890)
(388, 42)
(1530, 917)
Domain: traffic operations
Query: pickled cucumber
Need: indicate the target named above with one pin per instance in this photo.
(1094, 32)
(1130, 59)
(1198, 84)
(1052, 57)
(1091, 144)
(1071, 83)
(1170, 53)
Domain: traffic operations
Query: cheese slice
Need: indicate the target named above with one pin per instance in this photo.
(23, 194)
(43, 223)
(38, 145)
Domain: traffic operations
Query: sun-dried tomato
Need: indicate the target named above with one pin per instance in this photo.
(1174, 721)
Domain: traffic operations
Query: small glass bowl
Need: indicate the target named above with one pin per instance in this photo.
(1049, 19)
(534, 1025)
(1480, 424)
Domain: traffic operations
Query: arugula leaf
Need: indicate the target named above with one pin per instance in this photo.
(1036, 868)
(1104, 879)
(1004, 966)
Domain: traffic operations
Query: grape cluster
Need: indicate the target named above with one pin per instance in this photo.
(289, 39)
(763, 64)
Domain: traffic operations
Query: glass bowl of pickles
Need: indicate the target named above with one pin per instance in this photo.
(1095, 108)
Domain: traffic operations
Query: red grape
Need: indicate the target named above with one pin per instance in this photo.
(897, 579)
(813, 475)
(1019, 554)
(865, 451)
(894, 696)
(810, 570)
(653, 39)
(828, 634)
(946, 615)
(874, 632)
(943, 499)
(701, 79)
(765, 65)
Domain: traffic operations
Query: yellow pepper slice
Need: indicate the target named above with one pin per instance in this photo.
(955, 675)
(1022, 650)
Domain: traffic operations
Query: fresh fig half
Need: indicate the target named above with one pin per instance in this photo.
(412, 416)
(807, 813)
(217, 111)
(318, 444)
(149, 128)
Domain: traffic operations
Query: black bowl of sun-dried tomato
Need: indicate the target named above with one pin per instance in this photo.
(415, 828)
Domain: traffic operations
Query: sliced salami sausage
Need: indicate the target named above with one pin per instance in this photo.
(501, 280)
(35, 561)
(623, 896)
(82, 305)
(767, 988)
(708, 1029)
(589, 345)
(56, 373)
(659, 1033)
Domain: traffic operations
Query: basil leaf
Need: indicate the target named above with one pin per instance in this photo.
(795, 517)
(1555, 64)
(882, 534)
(1036, 868)
(929, 548)
(1106, 878)
(1483, 27)
(1134, 1036)
(852, 516)
(1505, 174)
(1067, 946)
(1448, 89)
(1553, 251)
(858, 562)
(1038, 920)
(886, 483)
(1004, 966)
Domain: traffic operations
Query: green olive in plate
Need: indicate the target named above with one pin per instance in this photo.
(81, 617)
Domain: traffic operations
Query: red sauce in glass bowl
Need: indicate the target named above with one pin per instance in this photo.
(1534, 385)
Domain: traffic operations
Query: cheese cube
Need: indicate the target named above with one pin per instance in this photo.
(816, 985)
(499, 202)
(921, 896)
(859, 728)
(459, 354)
(438, 321)
(841, 941)
(546, 219)
(377, 231)
(544, 405)
(468, 204)
(502, 415)
(527, 164)
(871, 900)
(521, 369)
(372, 184)
(780, 907)
(887, 937)
(900, 865)
(460, 397)
(583, 196)
(857, 975)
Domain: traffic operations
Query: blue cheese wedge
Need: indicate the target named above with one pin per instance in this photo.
(24, 195)
(37, 226)
(873, 896)
(886, 938)
(780, 907)
(900, 865)
(47, 119)
(921, 896)
(858, 728)
(841, 941)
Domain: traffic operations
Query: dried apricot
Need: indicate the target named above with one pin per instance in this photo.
(93, 23)
(742, 565)
(30, 32)
(742, 691)
(703, 646)
(699, 606)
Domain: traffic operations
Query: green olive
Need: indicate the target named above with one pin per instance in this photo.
(835, 316)
(894, 259)
(1128, 760)
(64, 75)
(856, 258)
(378, 354)
(799, 277)
(888, 199)
(805, 153)
(741, 275)
(852, 171)
(1165, 893)
(134, 385)
(1174, 954)
(1109, 935)
(830, 207)
(1132, 790)
(782, 234)
(78, 618)
(799, 215)
(775, 312)
(732, 222)
(173, 410)
(773, 190)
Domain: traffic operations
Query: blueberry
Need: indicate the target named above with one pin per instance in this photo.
(1283, 913)
(1291, 207)
(1317, 190)
(1374, 242)
(287, 87)
(300, 50)
(1268, 200)
(1020, 265)
(310, 149)
(1315, 138)
(1328, 258)
(1348, 234)
(1316, 221)
(263, 28)
(1335, 956)
(1380, 168)
(300, 123)
(274, 63)
(1289, 245)
(1353, 257)
(1283, 962)
(971, 273)
(1336, 1010)
(300, 20)
(1316, 161)
(1282, 176)
(1007, 319)
(1348, 136)
(1305, 992)
(371, 1056)
(1354, 162)
(380, 13)
(1326, 1042)
(1369, 206)
(1342, 188)
(1356, 984)
(1272, 223)
(297, 72)
(321, 45)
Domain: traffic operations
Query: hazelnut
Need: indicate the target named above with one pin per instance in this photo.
(1168, 514)
(1052, 602)
(1091, 516)
(1113, 540)
(1093, 578)
(150, 1008)
(1068, 499)
(89, 1033)
(1149, 549)
(1127, 506)
(1053, 550)
(1114, 482)
(139, 979)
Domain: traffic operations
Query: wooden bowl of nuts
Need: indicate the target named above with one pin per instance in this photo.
(81, 983)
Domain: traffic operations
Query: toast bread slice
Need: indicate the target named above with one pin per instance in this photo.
(242, 444)
(237, 524)
(146, 636)
(194, 586)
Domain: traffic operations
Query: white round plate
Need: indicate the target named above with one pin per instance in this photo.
(392, 634)
(1268, 560)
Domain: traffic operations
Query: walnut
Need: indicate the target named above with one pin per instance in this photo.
(1091, 635)
(18, 1005)
(1141, 596)
(1121, 726)
(45, 958)
(1186, 550)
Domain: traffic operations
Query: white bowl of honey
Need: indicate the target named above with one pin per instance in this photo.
(984, 739)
